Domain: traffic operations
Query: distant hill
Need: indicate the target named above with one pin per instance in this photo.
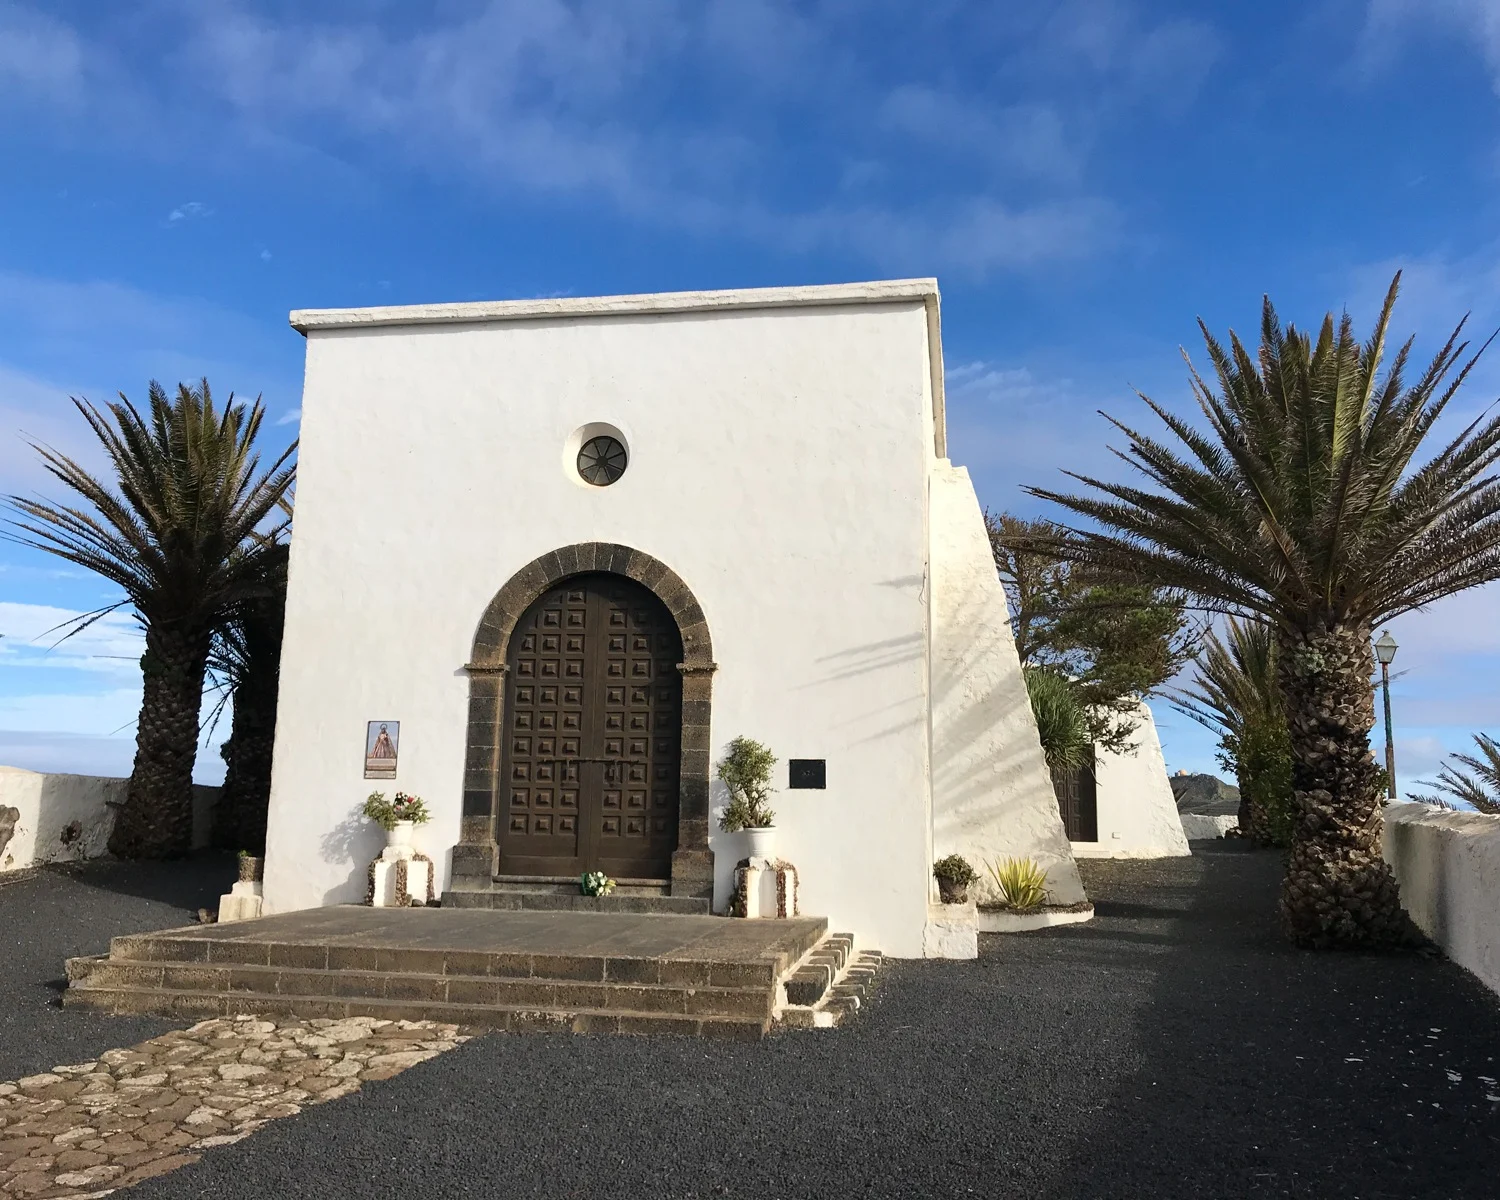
(1206, 795)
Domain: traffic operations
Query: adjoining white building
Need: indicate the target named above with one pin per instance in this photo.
(1123, 807)
(565, 550)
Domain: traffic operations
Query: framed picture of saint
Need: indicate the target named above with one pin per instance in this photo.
(382, 738)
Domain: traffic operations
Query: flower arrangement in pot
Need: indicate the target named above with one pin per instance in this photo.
(745, 770)
(595, 883)
(954, 875)
(397, 817)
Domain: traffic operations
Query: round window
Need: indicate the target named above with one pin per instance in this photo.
(601, 460)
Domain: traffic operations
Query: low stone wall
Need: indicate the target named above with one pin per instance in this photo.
(64, 818)
(1200, 827)
(1448, 865)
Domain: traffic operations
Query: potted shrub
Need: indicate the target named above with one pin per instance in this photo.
(397, 817)
(745, 770)
(953, 875)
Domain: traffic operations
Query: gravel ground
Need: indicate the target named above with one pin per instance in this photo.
(1172, 1047)
(56, 913)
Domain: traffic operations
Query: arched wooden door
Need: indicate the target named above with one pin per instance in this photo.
(593, 733)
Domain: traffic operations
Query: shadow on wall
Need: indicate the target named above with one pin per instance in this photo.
(353, 842)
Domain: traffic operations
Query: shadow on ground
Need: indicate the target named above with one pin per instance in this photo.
(1175, 1047)
(55, 913)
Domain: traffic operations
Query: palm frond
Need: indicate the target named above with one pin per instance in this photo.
(1306, 498)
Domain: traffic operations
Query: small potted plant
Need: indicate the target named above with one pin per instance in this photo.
(595, 883)
(745, 770)
(953, 875)
(397, 817)
(251, 867)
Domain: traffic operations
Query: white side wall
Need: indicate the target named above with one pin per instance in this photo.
(1448, 866)
(48, 804)
(992, 795)
(1138, 815)
(778, 465)
(1196, 826)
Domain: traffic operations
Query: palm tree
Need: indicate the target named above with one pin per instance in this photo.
(1236, 694)
(1304, 506)
(1478, 786)
(172, 533)
(246, 655)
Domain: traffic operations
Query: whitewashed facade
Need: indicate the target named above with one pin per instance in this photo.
(787, 516)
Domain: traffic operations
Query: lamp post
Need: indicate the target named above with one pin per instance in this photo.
(1385, 652)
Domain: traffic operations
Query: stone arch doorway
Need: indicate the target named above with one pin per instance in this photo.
(596, 569)
(590, 749)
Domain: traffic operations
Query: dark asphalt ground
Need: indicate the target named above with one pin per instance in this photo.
(1174, 1047)
(50, 915)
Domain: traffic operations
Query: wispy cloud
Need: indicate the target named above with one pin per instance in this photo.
(39, 56)
(554, 98)
(1390, 24)
(193, 210)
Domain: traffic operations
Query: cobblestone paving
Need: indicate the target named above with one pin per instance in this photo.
(92, 1128)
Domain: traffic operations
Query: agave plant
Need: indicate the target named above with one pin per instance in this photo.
(189, 498)
(1235, 692)
(1304, 504)
(1478, 786)
(1020, 882)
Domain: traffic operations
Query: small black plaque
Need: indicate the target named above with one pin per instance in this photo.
(808, 772)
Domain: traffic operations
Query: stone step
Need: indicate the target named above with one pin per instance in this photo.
(838, 1002)
(111, 975)
(816, 973)
(550, 897)
(420, 960)
(568, 885)
(510, 1019)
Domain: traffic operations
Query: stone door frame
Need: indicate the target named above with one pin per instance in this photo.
(477, 854)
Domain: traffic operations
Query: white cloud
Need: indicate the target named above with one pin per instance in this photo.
(39, 56)
(33, 638)
(556, 98)
(291, 417)
(1390, 24)
(1030, 138)
(191, 211)
(265, 256)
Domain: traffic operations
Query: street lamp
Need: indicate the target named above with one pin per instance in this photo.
(1385, 652)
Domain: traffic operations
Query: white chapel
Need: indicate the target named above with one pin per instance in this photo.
(558, 553)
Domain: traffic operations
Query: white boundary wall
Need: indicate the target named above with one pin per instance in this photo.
(48, 804)
(1448, 865)
(1201, 826)
(1138, 815)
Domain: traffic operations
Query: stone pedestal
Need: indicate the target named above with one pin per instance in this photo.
(764, 887)
(400, 878)
(242, 902)
(952, 931)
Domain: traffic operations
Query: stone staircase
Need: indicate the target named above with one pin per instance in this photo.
(519, 971)
(828, 985)
(555, 893)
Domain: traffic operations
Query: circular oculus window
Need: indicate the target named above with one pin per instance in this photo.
(602, 460)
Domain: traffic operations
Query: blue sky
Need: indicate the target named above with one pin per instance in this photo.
(1084, 179)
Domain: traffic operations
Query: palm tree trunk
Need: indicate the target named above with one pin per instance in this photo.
(156, 820)
(1338, 890)
(240, 817)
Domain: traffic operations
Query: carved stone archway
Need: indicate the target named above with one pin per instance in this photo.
(476, 855)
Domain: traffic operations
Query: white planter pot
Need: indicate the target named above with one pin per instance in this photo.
(760, 843)
(399, 834)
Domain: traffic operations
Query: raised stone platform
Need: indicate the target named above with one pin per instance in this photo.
(587, 972)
